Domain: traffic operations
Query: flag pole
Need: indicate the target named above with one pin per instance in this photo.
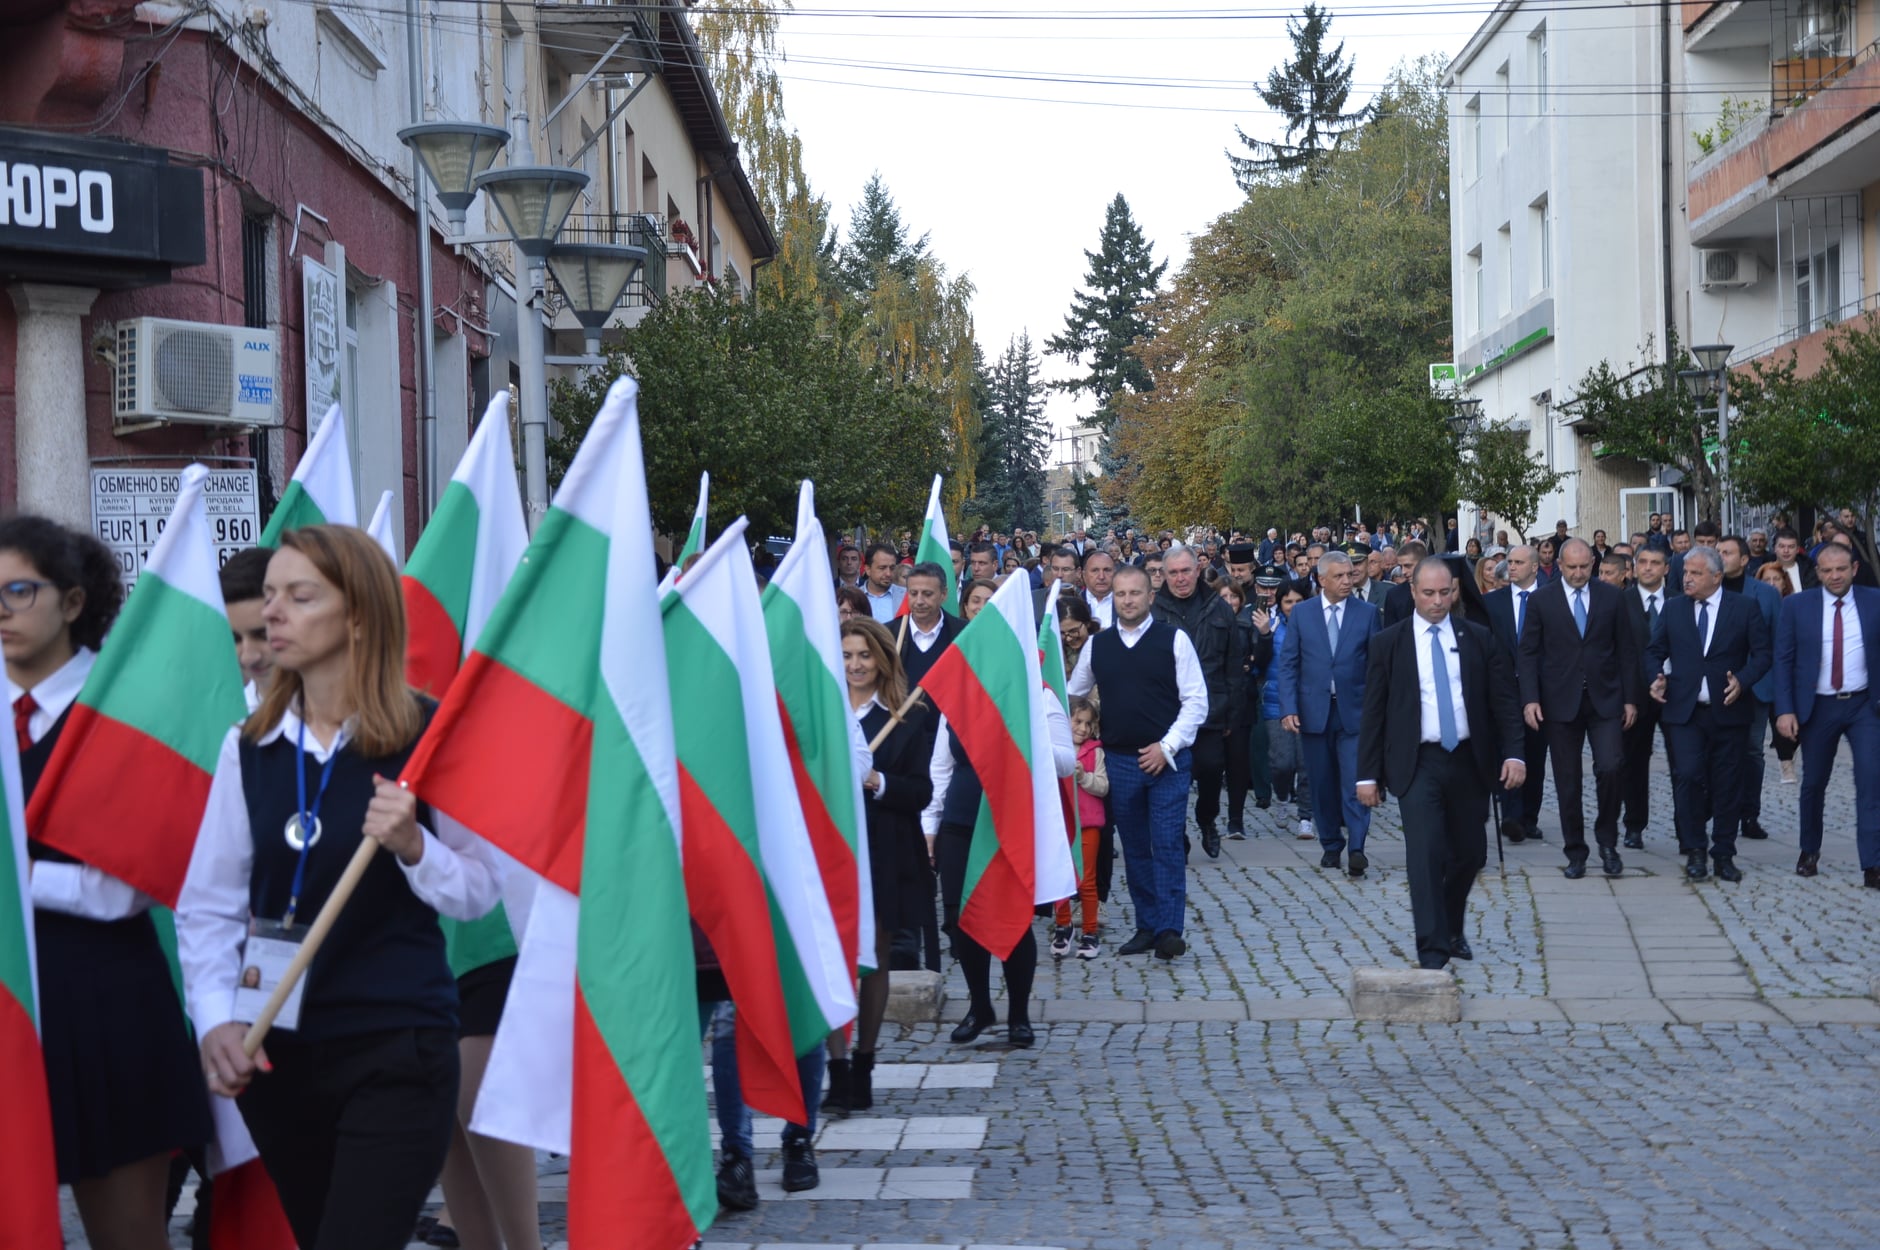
(907, 705)
(316, 934)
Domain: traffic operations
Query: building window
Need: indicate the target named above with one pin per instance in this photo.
(1504, 259)
(1537, 67)
(1472, 136)
(1818, 256)
(1820, 28)
(1472, 291)
(1506, 93)
(1540, 227)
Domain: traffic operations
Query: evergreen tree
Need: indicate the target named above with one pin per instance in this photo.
(878, 240)
(1311, 94)
(1012, 442)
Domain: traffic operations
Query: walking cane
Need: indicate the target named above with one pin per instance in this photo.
(1501, 854)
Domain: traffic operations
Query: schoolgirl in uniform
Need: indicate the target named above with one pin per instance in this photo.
(352, 1100)
(124, 1085)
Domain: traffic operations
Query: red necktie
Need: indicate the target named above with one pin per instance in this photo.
(1834, 672)
(24, 707)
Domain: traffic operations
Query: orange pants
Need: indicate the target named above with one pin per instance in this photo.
(1087, 888)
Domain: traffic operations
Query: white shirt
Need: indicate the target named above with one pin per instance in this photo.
(925, 638)
(1432, 726)
(1853, 647)
(74, 889)
(940, 767)
(1523, 600)
(858, 743)
(459, 875)
(884, 607)
(1710, 607)
(1102, 611)
(1190, 684)
(1652, 600)
(1794, 573)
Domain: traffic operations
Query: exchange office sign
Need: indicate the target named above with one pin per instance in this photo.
(129, 508)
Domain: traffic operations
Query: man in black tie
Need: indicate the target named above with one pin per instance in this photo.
(1579, 673)
(1507, 616)
(1644, 602)
(1441, 729)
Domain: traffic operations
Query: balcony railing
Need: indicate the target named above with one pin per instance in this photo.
(636, 230)
(1795, 81)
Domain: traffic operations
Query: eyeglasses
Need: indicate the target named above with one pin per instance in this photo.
(21, 595)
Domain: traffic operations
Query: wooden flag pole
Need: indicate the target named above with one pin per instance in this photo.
(907, 705)
(316, 934)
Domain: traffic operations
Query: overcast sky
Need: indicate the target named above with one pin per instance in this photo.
(1011, 175)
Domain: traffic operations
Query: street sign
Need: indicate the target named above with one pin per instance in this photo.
(130, 506)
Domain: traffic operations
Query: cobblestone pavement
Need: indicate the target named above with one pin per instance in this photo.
(1642, 1062)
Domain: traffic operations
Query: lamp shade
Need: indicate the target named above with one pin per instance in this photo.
(534, 200)
(1713, 356)
(1465, 412)
(593, 276)
(453, 154)
(1699, 382)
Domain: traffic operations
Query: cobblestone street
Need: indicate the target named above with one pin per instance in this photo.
(1642, 1062)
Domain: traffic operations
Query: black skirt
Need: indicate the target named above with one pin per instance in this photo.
(121, 1065)
(899, 873)
(481, 994)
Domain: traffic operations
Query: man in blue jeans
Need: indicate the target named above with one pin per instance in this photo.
(737, 1179)
(1154, 699)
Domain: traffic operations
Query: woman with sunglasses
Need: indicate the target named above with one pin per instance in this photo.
(124, 1086)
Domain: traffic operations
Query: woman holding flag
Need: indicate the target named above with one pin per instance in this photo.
(355, 1099)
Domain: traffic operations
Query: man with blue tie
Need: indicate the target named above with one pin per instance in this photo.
(1507, 617)
(1321, 698)
(1824, 692)
(1710, 647)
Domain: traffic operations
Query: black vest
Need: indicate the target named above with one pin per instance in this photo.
(33, 761)
(383, 965)
(1137, 684)
(964, 790)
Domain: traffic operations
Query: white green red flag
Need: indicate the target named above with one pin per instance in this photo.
(383, 531)
(150, 719)
(555, 743)
(29, 1183)
(827, 753)
(1051, 667)
(695, 537)
(751, 874)
(321, 491)
(989, 687)
(936, 548)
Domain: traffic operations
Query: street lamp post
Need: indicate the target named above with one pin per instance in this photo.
(1713, 379)
(593, 277)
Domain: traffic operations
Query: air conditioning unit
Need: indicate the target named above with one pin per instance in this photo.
(1722, 269)
(187, 372)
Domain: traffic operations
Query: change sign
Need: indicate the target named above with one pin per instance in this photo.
(129, 508)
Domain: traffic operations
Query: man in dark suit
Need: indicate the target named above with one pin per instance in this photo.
(930, 628)
(1321, 696)
(1710, 648)
(1645, 602)
(1579, 675)
(1825, 691)
(1441, 730)
(1060, 567)
(1507, 617)
(1733, 550)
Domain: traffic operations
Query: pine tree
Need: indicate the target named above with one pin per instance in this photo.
(1310, 94)
(1013, 439)
(877, 239)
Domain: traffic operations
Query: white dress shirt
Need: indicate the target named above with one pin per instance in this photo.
(1652, 600)
(864, 760)
(940, 768)
(1853, 647)
(1713, 605)
(925, 638)
(1794, 573)
(1190, 684)
(1102, 611)
(1432, 727)
(459, 875)
(74, 889)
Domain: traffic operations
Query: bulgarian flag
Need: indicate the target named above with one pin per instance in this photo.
(695, 537)
(383, 532)
(935, 547)
(555, 743)
(150, 719)
(989, 687)
(321, 492)
(1051, 665)
(750, 868)
(827, 752)
(29, 1184)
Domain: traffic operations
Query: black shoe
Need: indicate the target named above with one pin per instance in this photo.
(1576, 868)
(839, 1100)
(1143, 942)
(443, 1235)
(1512, 831)
(1021, 1036)
(737, 1183)
(1533, 832)
(1261, 803)
(1726, 868)
(1356, 863)
(799, 1167)
(1695, 869)
(1236, 834)
(1169, 944)
(1634, 841)
(971, 1027)
(1809, 864)
(862, 1081)
(1459, 948)
(1753, 830)
(1210, 841)
(1433, 962)
(1610, 863)
(1331, 859)
(1871, 878)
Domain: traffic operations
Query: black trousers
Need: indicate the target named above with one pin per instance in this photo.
(1707, 780)
(1209, 755)
(1524, 805)
(1239, 774)
(1445, 816)
(1565, 740)
(1635, 785)
(952, 849)
(353, 1132)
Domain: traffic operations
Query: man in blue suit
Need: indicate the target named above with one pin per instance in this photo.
(1739, 578)
(1826, 641)
(1709, 649)
(1321, 698)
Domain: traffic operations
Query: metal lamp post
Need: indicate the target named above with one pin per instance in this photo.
(594, 276)
(1713, 380)
(534, 201)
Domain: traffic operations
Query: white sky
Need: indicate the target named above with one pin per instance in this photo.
(1013, 191)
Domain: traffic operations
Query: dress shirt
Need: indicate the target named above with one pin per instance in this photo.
(1102, 611)
(884, 608)
(75, 889)
(1794, 573)
(1853, 648)
(1426, 680)
(1189, 683)
(1652, 599)
(925, 638)
(858, 743)
(1334, 609)
(1523, 601)
(940, 767)
(1711, 607)
(459, 875)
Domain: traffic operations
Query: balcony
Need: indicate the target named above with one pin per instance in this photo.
(599, 37)
(634, 229)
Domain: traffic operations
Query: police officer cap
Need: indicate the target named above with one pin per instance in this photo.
(1270, 575)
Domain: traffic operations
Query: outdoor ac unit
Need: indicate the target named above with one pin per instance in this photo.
(1719, 269)
(195, 373)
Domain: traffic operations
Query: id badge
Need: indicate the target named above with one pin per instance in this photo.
(265, 956)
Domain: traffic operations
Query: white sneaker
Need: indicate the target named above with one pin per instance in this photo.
(1306, 832)
(1087, 946)
(1061, 942)
(1788, 772)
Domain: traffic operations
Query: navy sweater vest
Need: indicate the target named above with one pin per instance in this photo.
(963, 790)
(1137, 685)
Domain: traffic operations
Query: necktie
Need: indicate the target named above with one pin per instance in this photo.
(1520, 614)
(1579, 611)
(1331, 627)
(1835, 675)
(24, 707)
(1703, 628)
(1651, 611)
(1445, 704)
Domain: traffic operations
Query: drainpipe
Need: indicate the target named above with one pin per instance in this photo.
(1670, 31)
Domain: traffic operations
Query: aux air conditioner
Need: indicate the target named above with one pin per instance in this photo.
(1721, 270)
(187, 372)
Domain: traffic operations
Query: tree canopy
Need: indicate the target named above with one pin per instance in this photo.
(1311, 92)
(1013, 441)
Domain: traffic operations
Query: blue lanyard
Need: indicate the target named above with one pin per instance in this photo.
(309, 817)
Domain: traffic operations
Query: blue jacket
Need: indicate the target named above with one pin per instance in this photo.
(1798, 656)
(1308, 670)
(1769, 600)
(1269, 696)
(1739, 645)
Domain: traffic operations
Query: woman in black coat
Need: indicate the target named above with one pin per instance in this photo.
(900, 863)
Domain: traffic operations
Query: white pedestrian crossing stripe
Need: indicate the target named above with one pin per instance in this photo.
(921, 1132)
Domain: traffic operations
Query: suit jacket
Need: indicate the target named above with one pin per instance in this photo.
(1396, 606)
(916, 661)
(1557, 664)
(1393, 705)
(1641, 625)
(1768, 601)
(1377, 592)
(1307, 667)
(1501, 618)
(1798, 657)
(1739, 644)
